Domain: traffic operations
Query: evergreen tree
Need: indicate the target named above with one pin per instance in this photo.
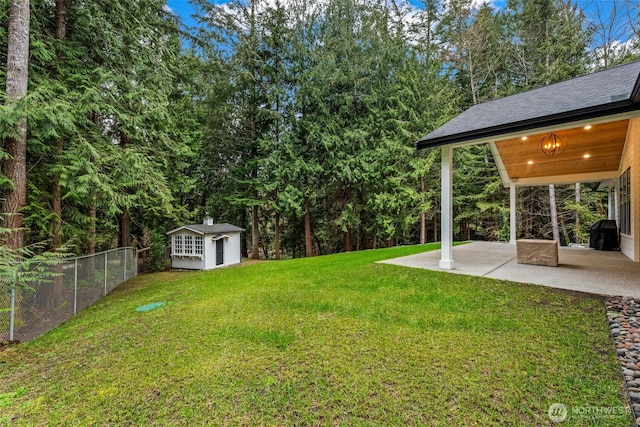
(14, 135)
(476, 48)
(294, 119)
(106, 95)
(293, 162)
(238, 26)
(550, 41)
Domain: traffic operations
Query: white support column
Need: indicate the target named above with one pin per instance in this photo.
(512, 213)
(446, 220)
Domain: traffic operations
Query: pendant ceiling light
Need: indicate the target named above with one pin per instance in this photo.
(552, 144)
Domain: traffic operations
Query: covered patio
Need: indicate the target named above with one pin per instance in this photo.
(579, 269)
(583, 130)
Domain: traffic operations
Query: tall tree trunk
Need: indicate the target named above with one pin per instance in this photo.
(52, 295)
(472, 84)
(92, 228)
(296, 231)
(55, 296)
(308, 243)
(61, 19)
(565, 230)
(255, 232)
(125, 216)
(244, 250)
(348, 244)
(374, 244)
(15, 167)
(278, 252)
(529, 212)
(435, 228)
(125, 228)
(91, 247)
(255, 225)
(318, 245)
(348, 237)
(576, 231)
(364, 239)
(553, 211)
(56, 205)
(423, 216)
(56, 202)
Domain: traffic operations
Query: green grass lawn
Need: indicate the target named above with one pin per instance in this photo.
(321, 341)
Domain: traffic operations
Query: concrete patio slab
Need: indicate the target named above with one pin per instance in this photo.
(579, 269)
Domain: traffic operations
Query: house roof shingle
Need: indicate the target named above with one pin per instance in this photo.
(209, 229)
(611, 91)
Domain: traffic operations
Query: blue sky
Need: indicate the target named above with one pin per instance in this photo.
(184, 9)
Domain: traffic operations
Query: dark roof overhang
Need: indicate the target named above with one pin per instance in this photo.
(619, 107)
(635, 93)
(612, 92)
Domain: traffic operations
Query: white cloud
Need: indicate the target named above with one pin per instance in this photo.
(606, 55)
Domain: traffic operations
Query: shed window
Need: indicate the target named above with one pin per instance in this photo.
(198, 245)
(185, 244)
(177, 244)
(625, 202)
(188, 245)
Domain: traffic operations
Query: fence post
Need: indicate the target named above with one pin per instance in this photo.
(106, 255)
(125, 265)
(75, 288)
(12, 311)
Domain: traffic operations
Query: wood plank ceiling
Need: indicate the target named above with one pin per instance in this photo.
(596, 149)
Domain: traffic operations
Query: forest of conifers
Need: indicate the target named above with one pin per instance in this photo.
(293, 119)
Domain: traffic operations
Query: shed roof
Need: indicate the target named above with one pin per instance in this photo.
(612, 91)
(209, 229)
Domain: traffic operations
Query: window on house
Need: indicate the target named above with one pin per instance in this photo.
(625, 202)
(177, 244)
(188, 245)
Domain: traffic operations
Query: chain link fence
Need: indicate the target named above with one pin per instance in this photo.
(26, 313)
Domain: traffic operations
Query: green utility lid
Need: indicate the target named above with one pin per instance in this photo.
(149, 307)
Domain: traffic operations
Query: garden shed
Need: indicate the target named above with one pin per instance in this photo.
(205, 246)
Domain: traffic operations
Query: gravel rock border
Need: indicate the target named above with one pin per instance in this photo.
(623, 315)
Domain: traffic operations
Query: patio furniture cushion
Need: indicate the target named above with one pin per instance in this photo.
(537, 252)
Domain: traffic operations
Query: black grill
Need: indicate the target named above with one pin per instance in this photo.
(603, 236)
